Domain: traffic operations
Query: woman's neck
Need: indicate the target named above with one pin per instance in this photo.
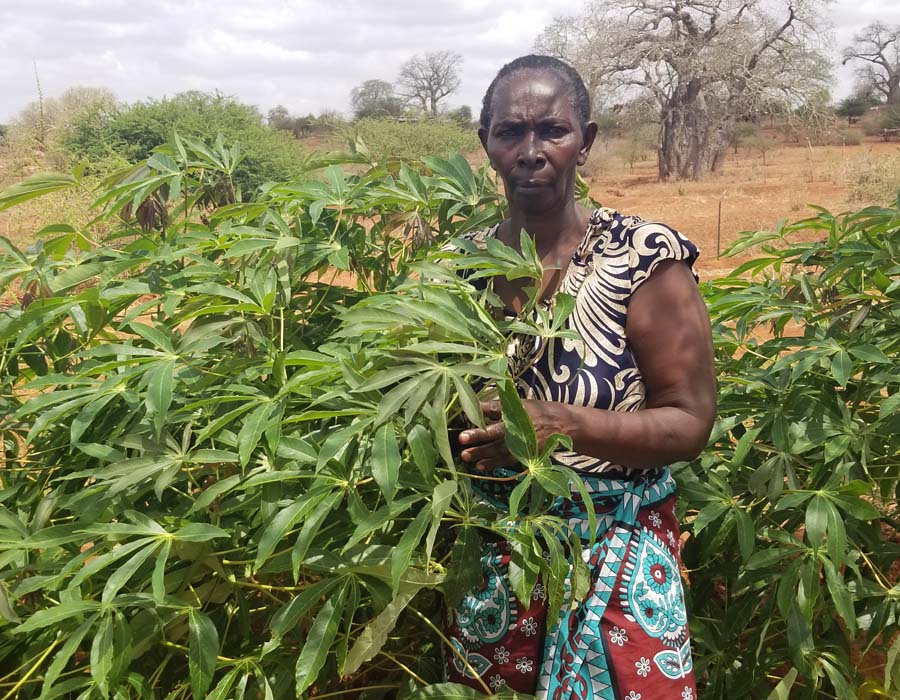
(556, 234)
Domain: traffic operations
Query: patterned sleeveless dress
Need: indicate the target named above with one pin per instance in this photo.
(628, 639)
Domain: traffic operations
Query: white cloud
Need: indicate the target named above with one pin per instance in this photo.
(304, 54)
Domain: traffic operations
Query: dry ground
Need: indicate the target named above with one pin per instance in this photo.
(753, 195)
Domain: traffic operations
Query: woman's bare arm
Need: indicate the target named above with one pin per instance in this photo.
(668, 331)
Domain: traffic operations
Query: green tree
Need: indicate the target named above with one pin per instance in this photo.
(461, 115)
(852, 108)
(375, 99)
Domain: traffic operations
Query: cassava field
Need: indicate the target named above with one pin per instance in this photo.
(222, 476)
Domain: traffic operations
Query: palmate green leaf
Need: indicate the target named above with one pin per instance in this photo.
(224, 686)
(841, 367)
(840, 594)
(311, 528)
(782, 691)
(36, 186)
(746, 534)
(442, 498)
(817, 520)
(121, 575)
(468, 400)
(318, 643)
(203, 648)
(158, 577)
(520, 436)
(526, 561)
(159, 391)
(288, 617)
(104, 560)
(252, 429)
(422, 450)
(7, 612)
(464, 572)
(277, 529)
(62, 657)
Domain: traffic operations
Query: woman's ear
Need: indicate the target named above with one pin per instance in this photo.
(483, 137)
(587, 140)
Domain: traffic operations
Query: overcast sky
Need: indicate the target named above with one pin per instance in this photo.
(304, 54)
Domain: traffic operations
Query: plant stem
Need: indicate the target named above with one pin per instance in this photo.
(31, 670)
(452, 648)
(353, 690)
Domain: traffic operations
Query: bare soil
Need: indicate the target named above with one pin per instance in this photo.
(753, 195)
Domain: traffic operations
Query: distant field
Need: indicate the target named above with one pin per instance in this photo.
(754, 196)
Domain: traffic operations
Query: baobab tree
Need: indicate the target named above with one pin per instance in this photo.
(878, 47)
(426, 79)
(706, 64)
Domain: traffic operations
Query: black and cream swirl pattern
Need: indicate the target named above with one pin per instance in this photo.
(618, 253)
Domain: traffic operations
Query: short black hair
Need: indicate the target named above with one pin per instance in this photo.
(578, 94)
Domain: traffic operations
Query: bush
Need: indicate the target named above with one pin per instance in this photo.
(637, 144)
(134, 131)
(844, 137)
(219, 500)
(873, 180)
(412, 140)
(883, 117)
(793, 508)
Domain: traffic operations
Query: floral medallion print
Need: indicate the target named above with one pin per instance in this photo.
(653, 591)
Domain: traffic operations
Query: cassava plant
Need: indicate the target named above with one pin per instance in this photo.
(225, 475)
(792, 510)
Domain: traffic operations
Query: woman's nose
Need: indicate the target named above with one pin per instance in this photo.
(530, 152)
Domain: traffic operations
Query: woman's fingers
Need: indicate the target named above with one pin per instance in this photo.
(478, 436)
(489, 452)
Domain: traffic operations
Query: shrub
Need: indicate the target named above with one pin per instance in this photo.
(638, 144)
(792, 510)
(873, 180)
(844, 137)
(246, 483)
(134, 131)
(883, 117)
(412, 140)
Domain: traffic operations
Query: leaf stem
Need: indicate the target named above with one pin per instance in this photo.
(406, 668)
(452, 648)
(354, 690)
(31, 670)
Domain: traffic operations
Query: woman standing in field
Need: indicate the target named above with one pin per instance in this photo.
(635, 393)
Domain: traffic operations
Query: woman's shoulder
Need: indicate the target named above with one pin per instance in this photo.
(640, 243)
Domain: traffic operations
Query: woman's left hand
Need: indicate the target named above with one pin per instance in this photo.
(486, 448)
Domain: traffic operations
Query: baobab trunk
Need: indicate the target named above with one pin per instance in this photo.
(692, 139)
(682, 138)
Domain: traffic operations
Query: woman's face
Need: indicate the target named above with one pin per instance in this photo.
(536, 140)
